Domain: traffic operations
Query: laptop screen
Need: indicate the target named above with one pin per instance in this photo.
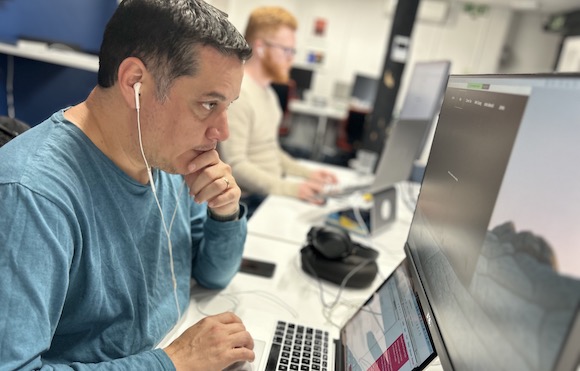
(388, 332)
(495, 237)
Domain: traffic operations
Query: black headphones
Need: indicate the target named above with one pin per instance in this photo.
(330, 254)
(331, 242)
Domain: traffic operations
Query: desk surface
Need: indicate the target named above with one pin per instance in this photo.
(291, 294)
(332, 111)
(289, 219)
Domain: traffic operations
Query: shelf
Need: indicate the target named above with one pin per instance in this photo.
(66, 58)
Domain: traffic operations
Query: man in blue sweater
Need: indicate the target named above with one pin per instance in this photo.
(109, 208)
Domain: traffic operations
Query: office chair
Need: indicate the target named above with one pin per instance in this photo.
(10, 128)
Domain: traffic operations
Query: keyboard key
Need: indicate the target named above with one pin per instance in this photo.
(293, 348)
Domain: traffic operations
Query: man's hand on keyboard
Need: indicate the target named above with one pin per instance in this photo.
(323, 176)
(213, 343)
(311, 191)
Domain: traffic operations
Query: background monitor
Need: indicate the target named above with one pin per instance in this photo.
(424, 94)
(302, 78)
(364, 91)
(494, 240)
(282, 92)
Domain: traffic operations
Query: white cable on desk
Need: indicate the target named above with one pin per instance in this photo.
(232, 296)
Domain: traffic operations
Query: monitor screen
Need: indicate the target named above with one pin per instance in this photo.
(495, 238)
(424, 94)
(364, 90)
(302, 78)
(282, 92)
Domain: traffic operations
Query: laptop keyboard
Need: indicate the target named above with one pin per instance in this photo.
(297, 347)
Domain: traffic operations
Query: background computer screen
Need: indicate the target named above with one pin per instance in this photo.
(364, 90)
(495, 238)
(425, 90)
(283, 94)
(302, 78)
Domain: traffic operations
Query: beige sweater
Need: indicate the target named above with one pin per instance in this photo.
(253, 150)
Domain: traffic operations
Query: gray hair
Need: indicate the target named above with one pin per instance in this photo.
(165, 35)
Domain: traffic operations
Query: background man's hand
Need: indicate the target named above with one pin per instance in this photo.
(312, 192)
(324, 177)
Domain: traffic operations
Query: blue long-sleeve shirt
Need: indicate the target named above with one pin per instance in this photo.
(84, 261)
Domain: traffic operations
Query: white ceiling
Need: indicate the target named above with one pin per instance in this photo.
(542, 6)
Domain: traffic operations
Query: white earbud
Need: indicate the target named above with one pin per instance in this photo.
(137, 88)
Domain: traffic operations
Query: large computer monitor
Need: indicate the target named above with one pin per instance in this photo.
(302, 78)
(423, 97)
(495, 238)
(425, 90)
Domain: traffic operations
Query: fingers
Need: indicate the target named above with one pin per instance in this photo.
(212, 344)
(227, 317)
(330, 177)
(212, 181)
(312, 192)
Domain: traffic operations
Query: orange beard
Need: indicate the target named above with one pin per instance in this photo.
(275, 71)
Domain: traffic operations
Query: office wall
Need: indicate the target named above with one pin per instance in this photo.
(357, 31)
(356, 36)
(355, 41)
(529, 49)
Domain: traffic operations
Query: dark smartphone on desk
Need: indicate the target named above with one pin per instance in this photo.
(257, 267)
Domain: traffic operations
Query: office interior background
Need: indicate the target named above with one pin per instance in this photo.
(337, 39)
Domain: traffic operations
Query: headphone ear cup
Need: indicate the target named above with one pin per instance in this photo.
(330, 242)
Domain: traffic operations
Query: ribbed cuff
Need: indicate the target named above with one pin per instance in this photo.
(224, 218)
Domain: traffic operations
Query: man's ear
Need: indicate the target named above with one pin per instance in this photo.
(131, 71)
(258, 47)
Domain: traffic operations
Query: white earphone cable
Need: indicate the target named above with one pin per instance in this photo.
(167, 230)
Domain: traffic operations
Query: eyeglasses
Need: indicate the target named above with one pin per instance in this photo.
(289, 52)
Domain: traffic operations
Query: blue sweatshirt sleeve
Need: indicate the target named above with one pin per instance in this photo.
(217, 248)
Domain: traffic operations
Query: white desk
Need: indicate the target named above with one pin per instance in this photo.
(288, 219)
(290, 294)
(323, 113)
(66, 58)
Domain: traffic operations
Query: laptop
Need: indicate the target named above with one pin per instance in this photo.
(402, 148)
(373, 214)
(388, 332)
